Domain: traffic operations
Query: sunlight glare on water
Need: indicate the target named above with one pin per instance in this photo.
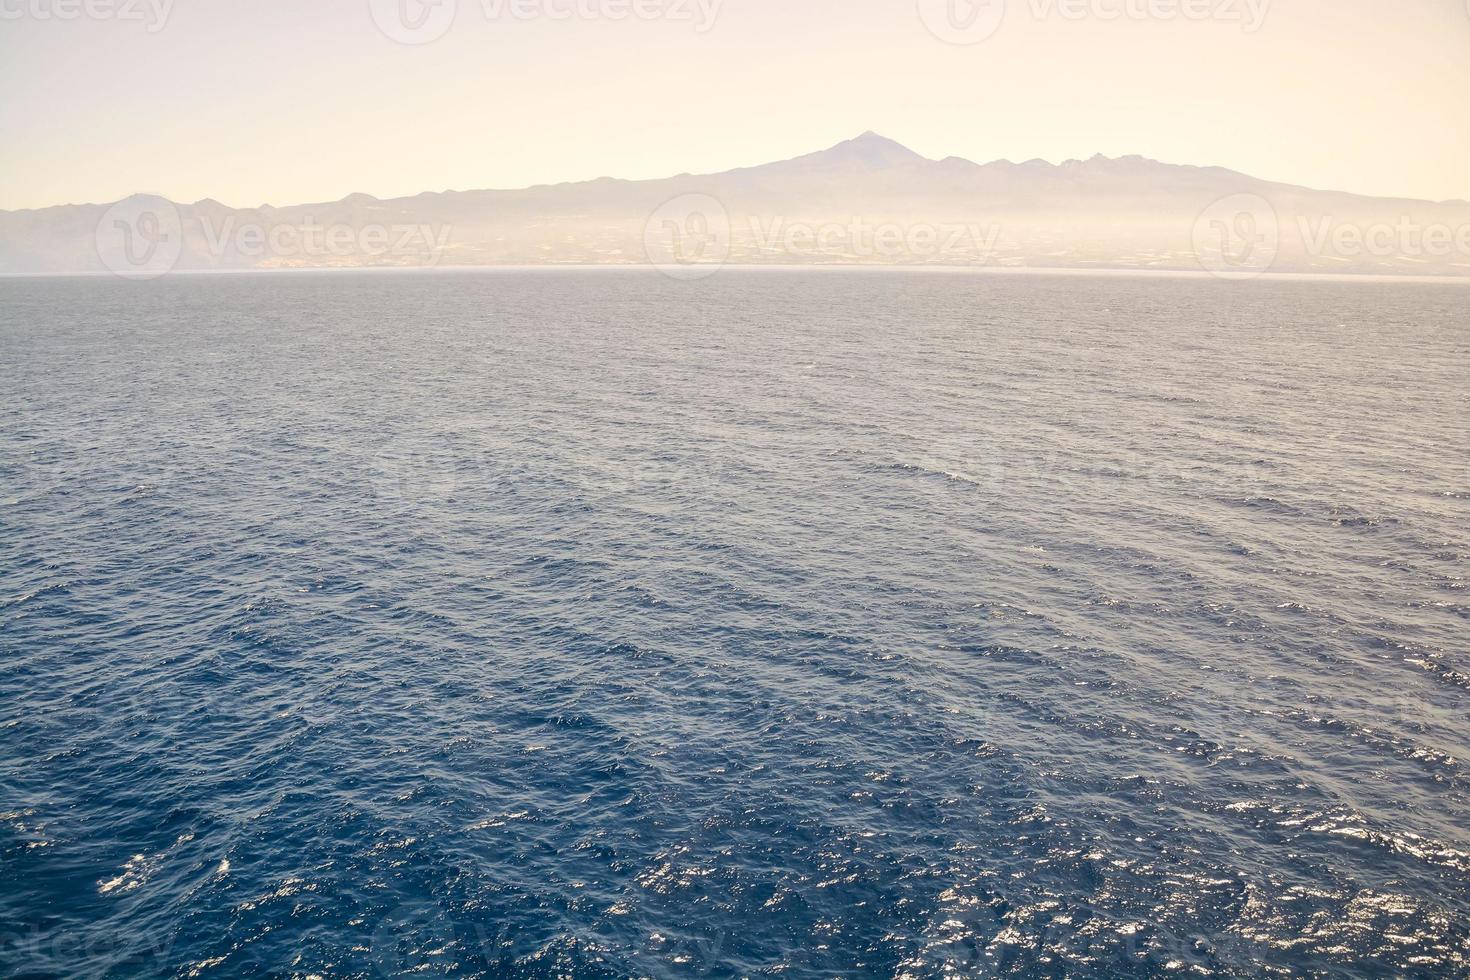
(785, 624)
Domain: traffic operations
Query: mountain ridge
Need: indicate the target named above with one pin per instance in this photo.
(866, 200)
(869, 138)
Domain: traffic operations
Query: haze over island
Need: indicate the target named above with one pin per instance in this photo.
(866, 201)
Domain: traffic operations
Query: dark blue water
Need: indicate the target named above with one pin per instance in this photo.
(848, 624)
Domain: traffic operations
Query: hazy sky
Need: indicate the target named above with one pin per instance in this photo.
(292, 101)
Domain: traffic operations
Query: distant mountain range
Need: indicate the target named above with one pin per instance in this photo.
(868, 200)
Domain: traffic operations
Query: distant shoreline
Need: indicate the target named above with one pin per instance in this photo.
(830, 267)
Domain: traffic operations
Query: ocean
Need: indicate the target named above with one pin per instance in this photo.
(790, 624)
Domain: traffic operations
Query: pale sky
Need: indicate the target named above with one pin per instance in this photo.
(294, 101)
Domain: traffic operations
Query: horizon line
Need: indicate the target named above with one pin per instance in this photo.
(641, 267)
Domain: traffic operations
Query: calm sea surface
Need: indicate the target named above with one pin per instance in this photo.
(593, 624)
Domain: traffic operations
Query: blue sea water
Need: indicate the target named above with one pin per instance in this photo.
(788, 624)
